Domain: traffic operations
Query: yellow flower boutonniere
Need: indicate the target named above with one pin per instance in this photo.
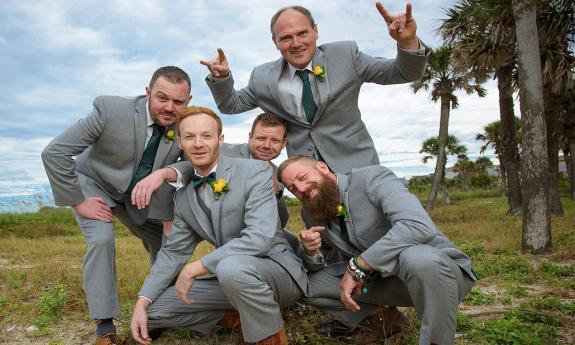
(341, 211)
(319, 72)
(169, 135)
(220, 187)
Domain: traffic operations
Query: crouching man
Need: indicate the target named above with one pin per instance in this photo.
(397, 256)
(231, 204)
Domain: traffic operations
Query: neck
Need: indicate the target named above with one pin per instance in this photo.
(205, 170)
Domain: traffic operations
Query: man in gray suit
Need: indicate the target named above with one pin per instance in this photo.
(231, 204)
(266, 141)
(397, 255)
(315, 89)
(116, 147)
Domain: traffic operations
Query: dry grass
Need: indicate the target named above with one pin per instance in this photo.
(39, 251)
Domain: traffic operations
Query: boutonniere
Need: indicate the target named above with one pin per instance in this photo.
(220, 187)
(341, 211)
(319, 72)
(169, 135)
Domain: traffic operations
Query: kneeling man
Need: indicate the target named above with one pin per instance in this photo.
(231, 204)
(397, 256)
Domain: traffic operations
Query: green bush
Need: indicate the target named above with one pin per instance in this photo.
(482, 181)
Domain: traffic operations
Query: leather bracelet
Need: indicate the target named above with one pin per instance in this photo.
(361, 268)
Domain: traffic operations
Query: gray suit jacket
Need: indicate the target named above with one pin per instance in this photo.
(243, 221)
(337, 129)
(243, 151)
(384, 219)
(104, 149)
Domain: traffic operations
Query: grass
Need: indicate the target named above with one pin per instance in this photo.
(521, 299)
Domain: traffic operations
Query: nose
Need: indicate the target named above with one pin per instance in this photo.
(296, 42)
(170, 107)
(198, 142)
(299, 188)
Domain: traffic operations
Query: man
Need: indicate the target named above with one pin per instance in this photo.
(315, 89)
(116, 146)
(266, 141)
(397, 254)
(230, 204)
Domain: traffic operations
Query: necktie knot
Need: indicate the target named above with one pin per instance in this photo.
(198, 181)
(302, 73)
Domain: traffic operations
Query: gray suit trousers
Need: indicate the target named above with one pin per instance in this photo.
(427, 279)
(99, 266)
(256, 287)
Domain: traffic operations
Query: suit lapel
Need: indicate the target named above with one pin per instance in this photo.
(140, 126)
(163, 149)
(322, 85)
(223, 171)
(200, 215)
(273, 84)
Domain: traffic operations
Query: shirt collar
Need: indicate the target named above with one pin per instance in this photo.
(211, 171)
(292, 69)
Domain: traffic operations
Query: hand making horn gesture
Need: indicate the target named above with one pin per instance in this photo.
(401, 26)
(218, 66)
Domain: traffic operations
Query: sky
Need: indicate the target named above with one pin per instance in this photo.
(56, 56)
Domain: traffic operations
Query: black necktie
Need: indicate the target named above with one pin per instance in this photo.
(309, 105)
(198, 181)
(148, 157)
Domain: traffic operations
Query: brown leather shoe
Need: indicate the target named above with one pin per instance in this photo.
(231, 320)
(109, 339)
(381, 323)
(280, 338)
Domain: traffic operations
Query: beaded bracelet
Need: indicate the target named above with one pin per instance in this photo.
(355, 273)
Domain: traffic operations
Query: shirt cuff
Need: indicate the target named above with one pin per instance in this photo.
(315, 259)
(419, 51)
(213, 79)
(144, 297)
(179, 183)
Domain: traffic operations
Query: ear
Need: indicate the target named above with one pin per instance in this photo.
(148, 92)
(221, 140)
(322, 167)
(189, 99)
(284, 143)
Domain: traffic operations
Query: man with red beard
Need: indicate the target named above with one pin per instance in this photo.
(102, 165)
(231, 204)
(398, 257)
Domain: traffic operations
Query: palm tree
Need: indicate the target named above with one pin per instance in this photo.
(465, 168)
(536, 216)
(492, 137)
(478, 31)
(443, 79)
(482, 164)
(567, 120)
(484, 44)
(556, 21)
(431, 147)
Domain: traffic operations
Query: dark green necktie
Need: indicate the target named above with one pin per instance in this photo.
(309, 105)
(198, 181)
(148, 158)
(343, 229)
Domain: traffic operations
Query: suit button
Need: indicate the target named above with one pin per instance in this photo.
(310, 148)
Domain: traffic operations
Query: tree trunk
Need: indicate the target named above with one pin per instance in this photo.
(536, 229)
(441, 155)
(572, 171)
(551, 105)
(509, 156)
(503, 180)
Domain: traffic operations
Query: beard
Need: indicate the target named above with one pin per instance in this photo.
(323, 207)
